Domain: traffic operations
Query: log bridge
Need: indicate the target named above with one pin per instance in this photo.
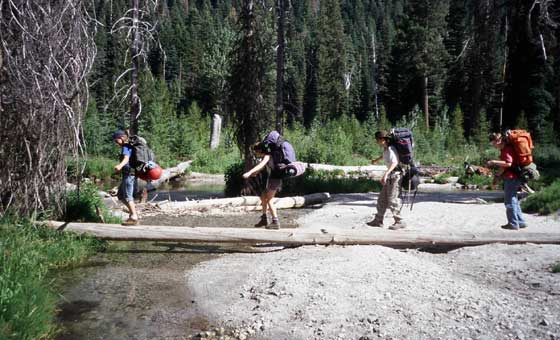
(303, 236)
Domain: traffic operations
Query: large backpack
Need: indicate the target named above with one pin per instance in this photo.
(141, 153)
(283, 155)
(402, 140)
(522, 144)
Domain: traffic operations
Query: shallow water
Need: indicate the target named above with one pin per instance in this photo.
(136, 290)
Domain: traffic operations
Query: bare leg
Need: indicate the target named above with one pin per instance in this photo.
(132, 208)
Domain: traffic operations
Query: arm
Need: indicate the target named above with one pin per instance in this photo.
(501, 164)
(386, 174)
(124, 161)
(373, 161)
(257, 167)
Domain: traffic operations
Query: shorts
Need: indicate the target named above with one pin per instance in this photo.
(273, 184)
(126, 189)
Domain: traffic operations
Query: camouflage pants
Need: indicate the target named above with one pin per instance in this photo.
(389, 198)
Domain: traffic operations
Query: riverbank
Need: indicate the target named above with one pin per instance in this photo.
(364, 292)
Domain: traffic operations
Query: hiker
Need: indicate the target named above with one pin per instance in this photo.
(128, 182)
(389, 196)
(511, 181)
(279, 160)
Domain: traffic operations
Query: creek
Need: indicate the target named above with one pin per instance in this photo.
(137, 290)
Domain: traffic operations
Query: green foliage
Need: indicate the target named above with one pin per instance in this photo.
(234, 180)
(333, 182)
(544, 202)
(83, 206)
(482, 131)
(215, 161)
(442, 178)
(555, 268)
(332, 60)
(522, 122)
(480, 181)
(27, 254)
(96, 167)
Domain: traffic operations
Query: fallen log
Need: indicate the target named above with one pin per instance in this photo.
(246, 201)
(166, 175)
(403, 238)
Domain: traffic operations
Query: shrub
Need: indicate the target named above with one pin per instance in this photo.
(478, 180)
(233, 179)
(546, 201)
(556, 268)
(334, 182)
(84, 206)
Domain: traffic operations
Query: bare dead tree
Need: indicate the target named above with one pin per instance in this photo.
(139, 31)
(47, 50)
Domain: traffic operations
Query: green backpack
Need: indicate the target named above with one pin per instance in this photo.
(141, 153)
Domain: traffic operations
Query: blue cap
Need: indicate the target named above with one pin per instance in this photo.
(118, 134)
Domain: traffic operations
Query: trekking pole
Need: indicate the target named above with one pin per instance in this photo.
(413, 198)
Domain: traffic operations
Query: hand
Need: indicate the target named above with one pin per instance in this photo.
(384, 179)
(246, 175)
(117, 168)
(490, 163)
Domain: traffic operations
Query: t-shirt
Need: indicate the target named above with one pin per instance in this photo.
(507, 154)
(126, 150)
(390, 155)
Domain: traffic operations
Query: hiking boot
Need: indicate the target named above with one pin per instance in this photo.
(274, 225)
(130, 221)
(262, 223)
(509, 226)
(375, 223)
(398, 225)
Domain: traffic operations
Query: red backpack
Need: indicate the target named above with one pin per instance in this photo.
(522, 144)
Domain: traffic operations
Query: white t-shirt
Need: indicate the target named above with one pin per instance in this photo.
(390, 155)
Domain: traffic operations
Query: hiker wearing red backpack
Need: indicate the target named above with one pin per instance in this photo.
(279, 159)
(507, 171)
(391, 180)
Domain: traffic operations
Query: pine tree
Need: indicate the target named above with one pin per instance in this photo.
(331, 61)
(251, 82)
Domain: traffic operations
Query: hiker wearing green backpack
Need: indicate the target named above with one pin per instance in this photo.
(507, 162)
(391, 180)
(128, 182)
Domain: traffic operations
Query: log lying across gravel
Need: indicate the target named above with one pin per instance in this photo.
(245, 201)
(402, 238)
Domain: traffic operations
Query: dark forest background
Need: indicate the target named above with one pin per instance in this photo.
(452, 70)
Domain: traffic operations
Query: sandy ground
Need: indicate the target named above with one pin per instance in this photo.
(365, 292)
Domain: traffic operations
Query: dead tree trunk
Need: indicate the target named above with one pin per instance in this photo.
(47, 50)
(216, 131)
(134, 56)
(426, 103)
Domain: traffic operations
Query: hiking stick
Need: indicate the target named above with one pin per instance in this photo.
(413, 198)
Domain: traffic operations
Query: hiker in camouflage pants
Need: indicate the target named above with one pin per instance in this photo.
(391, 180)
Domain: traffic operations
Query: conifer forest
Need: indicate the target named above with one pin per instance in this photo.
(326, 73)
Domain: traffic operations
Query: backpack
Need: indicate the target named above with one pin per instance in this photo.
(522, 144)
(402, 140)
(142, 155)
(283, 155)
